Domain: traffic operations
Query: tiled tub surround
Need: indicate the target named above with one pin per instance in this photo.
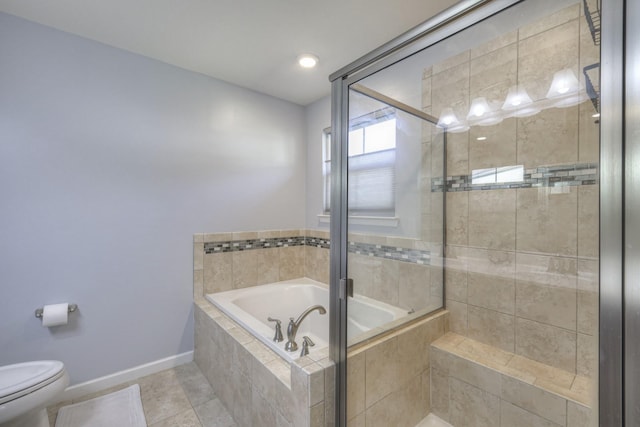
(388, 378)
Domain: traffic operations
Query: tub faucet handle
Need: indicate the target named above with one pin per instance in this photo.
(306, 343)
(278, 336)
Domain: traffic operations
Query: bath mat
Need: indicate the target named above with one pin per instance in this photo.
(122, 408)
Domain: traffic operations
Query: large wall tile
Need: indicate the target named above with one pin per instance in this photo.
(491, 327)
(440, 393)
(498, 149)
(268, 266)
(245, 269)
(492, 75)
(414, 286)
(491, 280)
(547, 304)
(355, 385)
(381, 370)
(546, 344)
(557, 18)
(291, 262)
(456, 273)
(588, 221)
(534, 399)
(547, 220)
(218, 272)
(511, 415)
(457, 218)
(492, 219)
(471, 406)
(458, 316)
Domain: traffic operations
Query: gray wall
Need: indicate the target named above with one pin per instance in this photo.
(109, 161)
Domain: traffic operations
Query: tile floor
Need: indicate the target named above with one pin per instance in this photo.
(178, 397)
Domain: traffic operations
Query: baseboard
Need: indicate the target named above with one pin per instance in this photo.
(103, 383)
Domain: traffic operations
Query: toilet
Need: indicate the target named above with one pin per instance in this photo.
(27, 388)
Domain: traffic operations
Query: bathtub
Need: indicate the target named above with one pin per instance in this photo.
(250, 307)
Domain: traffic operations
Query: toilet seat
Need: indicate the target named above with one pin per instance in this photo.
(23, 378)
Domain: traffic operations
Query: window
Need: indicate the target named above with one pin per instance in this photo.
(372, 155)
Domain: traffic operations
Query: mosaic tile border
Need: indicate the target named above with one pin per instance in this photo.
(264, 243)
(381, 251)
(391, 252)
(544, 176)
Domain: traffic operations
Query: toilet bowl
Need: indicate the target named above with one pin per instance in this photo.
(26, 389)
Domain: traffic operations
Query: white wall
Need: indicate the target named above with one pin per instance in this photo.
(109, 161)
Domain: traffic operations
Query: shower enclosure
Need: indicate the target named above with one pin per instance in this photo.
(470, 160)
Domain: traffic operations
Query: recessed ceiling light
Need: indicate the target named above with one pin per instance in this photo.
(481, 138)
(307, 60)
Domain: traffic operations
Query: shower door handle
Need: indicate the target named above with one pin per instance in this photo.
(346, 288)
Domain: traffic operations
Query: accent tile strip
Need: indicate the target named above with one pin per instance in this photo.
(544, 176)
(380, 251)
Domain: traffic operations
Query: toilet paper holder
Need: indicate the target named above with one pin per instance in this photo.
(71, 309)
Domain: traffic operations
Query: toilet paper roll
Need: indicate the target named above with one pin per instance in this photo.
(55, 315)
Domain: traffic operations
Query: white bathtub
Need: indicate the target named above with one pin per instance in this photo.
(250, 307)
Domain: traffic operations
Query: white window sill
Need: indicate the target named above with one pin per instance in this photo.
(377, 221)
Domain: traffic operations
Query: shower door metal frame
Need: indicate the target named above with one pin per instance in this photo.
(455, 19)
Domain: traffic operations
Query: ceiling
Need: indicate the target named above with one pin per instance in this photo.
(251, 43)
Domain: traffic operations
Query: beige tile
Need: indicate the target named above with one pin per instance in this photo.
(492, 219)
(426, 92)
(291, 262)
(484, 354)
(440, 393)
(198, 283)
(385, 279)
(560, 272)
(535, 400)
(494, 44)
(498, 149)
(214, 414)
(413, 353)
(198, 256)
(194, 384)
(457, 217)
(452, 61)
(262, 413)
(492, 74)
(358, 421)
(317, 264)
(457, 316)
(547, 304)
(268, 234)
(471, 406)
(540, 56)
(245, 269)
(547, 344)
(456, 273)
(557, 18)
(588, 276)
(187, 418)
(547, 221)
(414, 285)
(588, 221)
(163, 402)
(587, 356)
(475, 374)
(589, 131)
(511, 415)
(244, 235)
(541, 371)
(458, 153)
(579, 415)
(381, 371)
(218, 270)
(268, 266)
(217, 237)
(355, 385)
(588, 311)
(491, 280)
(492, 327)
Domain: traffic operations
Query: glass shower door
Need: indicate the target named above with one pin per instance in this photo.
(486, 204)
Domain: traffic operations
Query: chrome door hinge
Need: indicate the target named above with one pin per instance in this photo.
(346, 288)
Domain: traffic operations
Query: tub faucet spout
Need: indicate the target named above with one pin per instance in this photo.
(292, 329)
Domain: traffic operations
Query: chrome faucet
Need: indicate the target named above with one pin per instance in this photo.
(292, 329)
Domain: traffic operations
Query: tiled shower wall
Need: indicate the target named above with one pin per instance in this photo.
(522, 262)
